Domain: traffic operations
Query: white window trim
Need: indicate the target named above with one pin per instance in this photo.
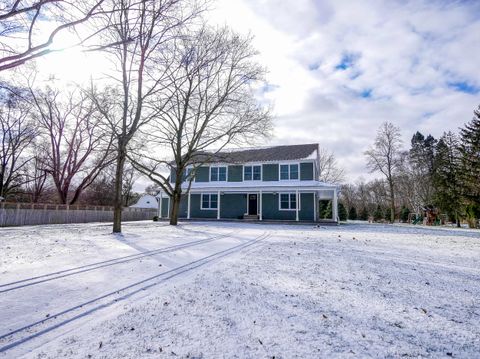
(210, 173)
(288, 164)
(252, 165)
(299, 204)
(209, 201)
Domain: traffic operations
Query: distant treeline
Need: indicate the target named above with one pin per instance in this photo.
(441, 174)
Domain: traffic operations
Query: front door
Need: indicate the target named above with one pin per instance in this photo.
(252, 204)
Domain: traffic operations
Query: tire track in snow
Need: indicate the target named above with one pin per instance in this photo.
(27, 282)
(128, 291)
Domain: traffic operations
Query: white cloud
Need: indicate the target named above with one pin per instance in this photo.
(415, 62)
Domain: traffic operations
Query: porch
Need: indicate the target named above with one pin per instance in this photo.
(295, 203)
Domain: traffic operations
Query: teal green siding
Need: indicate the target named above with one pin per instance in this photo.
(271, 211)
(195, 208)
(182, 212)
(270, 172)
(270, 208)
(235, 173)
(306, 171)
(233, 205)
(307, 204)
(173, 176)
(202, 174)
(165, 207)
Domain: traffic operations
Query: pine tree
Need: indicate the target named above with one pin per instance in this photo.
(388, 214)
(404, 213)
(327, 213)
(378, 214)
(352, 214)
(342, 212)
(422, 158)
(363, 216)
(322, 206)
(470, 150)
(447, 179)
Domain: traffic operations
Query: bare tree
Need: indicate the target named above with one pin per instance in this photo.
(76, 148)
(329, 171)
(130, 177)
(23, 22)
(36, 175)
(143, 31)
(385, 156)
(16, 134)
(211, 104)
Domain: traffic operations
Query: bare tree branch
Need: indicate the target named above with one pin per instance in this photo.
(209, 103)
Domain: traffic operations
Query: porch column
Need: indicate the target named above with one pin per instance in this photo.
(218, 205)
(335, 205)
(260, 217)
(296, 205)
(315, 203)
(160, 205)
(188, 206)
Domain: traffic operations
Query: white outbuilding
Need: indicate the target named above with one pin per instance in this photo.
(146, 201)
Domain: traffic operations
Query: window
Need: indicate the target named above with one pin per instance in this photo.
(288, 201)
(218, 174)
(188, 174)
(209, 201)
(289, 172)
(252, 173)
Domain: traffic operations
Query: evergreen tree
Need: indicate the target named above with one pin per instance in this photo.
(378, 214)
(322, 206)
(422, 158)
(363, 216)
(352, 214)
(470, 150)
(388, 214)
(404, 213)
(447, 179)
(327, 213)
(342, 212)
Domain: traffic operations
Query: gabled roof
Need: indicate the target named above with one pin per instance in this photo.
(260, 154)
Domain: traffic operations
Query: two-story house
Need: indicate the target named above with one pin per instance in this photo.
(266, 183)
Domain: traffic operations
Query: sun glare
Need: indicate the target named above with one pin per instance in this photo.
(70, 63)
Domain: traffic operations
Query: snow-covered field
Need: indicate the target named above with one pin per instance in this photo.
(236, 290)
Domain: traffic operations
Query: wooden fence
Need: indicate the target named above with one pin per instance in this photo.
(23, 214)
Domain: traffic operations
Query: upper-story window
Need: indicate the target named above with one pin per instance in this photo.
(252, 173)
(289, 172)
(218, 174)
(189, 175)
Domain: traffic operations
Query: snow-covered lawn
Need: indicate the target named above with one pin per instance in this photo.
(236, 290)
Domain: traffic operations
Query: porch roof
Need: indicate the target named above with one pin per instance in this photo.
(260, 186)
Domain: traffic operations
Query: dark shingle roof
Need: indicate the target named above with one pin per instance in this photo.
(267, 154)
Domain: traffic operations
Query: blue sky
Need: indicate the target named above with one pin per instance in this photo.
(338, 69)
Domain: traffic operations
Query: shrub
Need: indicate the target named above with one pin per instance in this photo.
(352, 214)
(404, 213)
(342, 212)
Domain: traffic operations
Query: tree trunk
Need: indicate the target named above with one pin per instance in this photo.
(175, 208)
(392, 204)
(457, 219)
(118, 201)
(62, 196)
(177, 196)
